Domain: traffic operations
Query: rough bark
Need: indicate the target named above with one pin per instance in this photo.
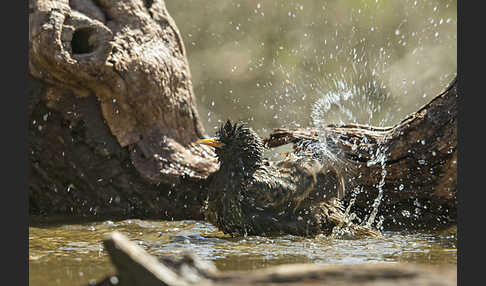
(414, 162)
(136, 267)
(112, 114)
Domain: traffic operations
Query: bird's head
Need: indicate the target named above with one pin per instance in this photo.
(236, 143)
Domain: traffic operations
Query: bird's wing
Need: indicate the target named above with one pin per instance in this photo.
(283, 185)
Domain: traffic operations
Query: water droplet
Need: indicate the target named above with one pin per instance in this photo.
(114, 280)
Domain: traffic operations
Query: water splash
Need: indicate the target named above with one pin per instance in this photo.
(378, 158)
(344, 229)
(351, 98)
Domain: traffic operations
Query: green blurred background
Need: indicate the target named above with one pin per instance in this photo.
(307, 62)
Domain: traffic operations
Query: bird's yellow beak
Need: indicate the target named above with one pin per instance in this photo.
(211, 142)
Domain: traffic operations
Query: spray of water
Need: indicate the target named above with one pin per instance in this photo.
(359, 102)
(378, 158)
(355, 99)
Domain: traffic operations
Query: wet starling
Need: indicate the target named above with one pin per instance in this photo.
(250, 195)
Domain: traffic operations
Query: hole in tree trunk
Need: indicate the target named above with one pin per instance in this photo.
(83, 42)
(148, 3)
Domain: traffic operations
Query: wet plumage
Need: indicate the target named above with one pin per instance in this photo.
(249, 195)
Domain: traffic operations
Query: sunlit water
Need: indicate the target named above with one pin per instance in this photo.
(73, 254)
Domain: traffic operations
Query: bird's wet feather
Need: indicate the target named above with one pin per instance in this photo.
(249, 195)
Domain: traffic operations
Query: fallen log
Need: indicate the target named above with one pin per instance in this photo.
(112, 114)
(413, 162)
(135, 266)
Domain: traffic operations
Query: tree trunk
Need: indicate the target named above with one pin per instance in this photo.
(413, 162)
(112, 114)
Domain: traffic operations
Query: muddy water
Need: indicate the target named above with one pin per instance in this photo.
(72, 253)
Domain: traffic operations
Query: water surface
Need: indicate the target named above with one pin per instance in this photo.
(73, 254)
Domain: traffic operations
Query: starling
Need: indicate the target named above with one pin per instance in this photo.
(250, 195)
